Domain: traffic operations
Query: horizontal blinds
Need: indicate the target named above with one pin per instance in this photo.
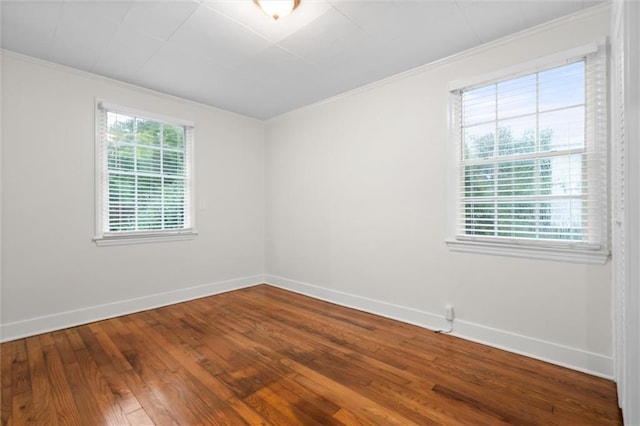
(146, 179)
(530, 165)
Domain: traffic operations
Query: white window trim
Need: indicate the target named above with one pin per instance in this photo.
(528, 67)
(142, 238)
(542, 252)
(577, 253)
(102, 238)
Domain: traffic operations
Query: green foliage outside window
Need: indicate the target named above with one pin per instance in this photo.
(146, 174)
(506, 195)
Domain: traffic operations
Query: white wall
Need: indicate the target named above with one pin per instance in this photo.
(356, 214)
(53, 274)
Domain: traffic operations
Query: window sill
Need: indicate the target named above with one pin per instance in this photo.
(119, 240)
(558, 254)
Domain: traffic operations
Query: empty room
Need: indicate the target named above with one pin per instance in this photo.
(331, 212)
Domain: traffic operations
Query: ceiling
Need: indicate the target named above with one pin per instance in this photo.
(228, 54)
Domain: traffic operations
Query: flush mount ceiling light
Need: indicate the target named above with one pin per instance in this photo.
(277, 8)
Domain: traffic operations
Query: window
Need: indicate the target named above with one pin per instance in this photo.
(531, 161)
(144, 177)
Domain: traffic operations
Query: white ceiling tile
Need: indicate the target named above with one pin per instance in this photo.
(411, 32)
(29, 27)
(535, 14)
(399, 49)
(297, 87)
(84, 32)
(275, 77)
(436, 30)
(381, 19)
(177, 69)
(481, 17)
(325, 39)
(278, 71)
(161, 22)
(212, 35)
(127, 52)
(104, 10)
(346, 73)
(269, 63)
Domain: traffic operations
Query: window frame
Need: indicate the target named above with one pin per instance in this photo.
(104, 238)
(569, 251)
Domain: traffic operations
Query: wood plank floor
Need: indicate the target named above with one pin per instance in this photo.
(267, 356)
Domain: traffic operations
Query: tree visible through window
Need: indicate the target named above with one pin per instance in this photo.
(523, 153)
(145, 174)
(531, 158)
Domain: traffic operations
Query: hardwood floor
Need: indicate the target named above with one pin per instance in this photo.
(267, 356)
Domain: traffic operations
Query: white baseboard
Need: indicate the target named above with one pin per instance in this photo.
(574, 358)
(38, 325)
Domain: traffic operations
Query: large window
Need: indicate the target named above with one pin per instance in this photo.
(143, 177)
(531, 161)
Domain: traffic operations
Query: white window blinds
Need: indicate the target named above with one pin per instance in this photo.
(532, 157)
(145, 173)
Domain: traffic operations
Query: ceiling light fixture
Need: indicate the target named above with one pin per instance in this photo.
(277, 8)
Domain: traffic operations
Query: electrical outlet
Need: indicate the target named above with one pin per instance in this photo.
(448, 312)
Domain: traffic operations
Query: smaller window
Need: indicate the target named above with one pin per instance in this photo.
(531, 162)
(144, 177)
